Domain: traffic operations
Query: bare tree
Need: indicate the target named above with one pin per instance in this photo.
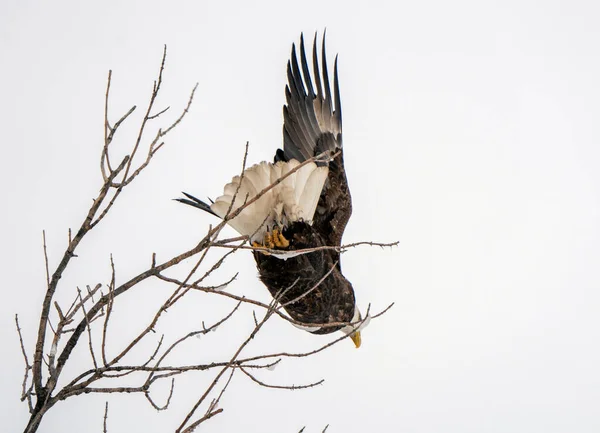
(62, 328)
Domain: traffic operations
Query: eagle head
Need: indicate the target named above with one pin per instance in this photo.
(356, 325)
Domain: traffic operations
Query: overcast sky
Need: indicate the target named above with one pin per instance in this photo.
(471, 133)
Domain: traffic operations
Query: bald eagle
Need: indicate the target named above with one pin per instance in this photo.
(309, 208)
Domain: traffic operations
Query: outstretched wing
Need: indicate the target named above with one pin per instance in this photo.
(312, 125)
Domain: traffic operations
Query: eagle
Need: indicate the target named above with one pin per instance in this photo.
(307, 208)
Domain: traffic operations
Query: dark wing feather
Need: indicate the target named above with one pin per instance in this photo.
(312, 125)
(335, 204)
(312, 121)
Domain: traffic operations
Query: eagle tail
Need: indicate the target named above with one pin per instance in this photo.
(291, 199)
(195, 202)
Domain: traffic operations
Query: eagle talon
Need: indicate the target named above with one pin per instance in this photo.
(257, 245)
(271, 240)
(278, 239)
(268, 241)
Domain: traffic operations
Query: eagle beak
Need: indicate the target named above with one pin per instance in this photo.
(356, 339)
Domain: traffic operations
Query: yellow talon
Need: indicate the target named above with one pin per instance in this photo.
(257, 245)
(271, 240)
(279, 240)
(275, 236)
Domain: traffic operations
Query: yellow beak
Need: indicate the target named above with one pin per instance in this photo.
(356, 339)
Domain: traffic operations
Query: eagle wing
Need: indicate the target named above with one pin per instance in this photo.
(313, 125)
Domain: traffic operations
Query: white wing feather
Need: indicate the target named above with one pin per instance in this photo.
(295, 198)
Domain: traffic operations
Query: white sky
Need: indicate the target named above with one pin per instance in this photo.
(471, 135)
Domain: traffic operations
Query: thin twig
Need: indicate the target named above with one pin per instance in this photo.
(157, 115)
(25, 393)
(89, 329)
(214, 404)
(46, 260)
(317, 284)
(109, 305)
(385, 310)
(76, 305)
(340, 249)
(290, 387)
(206, 417)
(166, 405)
(105, 429)
(105, 155)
